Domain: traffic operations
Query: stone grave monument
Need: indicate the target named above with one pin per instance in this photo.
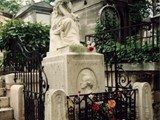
(68, 65)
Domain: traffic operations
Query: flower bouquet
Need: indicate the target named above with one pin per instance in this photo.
(107, 109)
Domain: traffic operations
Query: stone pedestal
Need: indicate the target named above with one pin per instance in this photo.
(74, 72)
(69, 72)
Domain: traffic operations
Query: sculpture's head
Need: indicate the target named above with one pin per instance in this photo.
(87, 81)
(67, 5)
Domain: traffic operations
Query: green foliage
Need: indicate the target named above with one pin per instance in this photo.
(30, 34)
(133, 52)
(10, 6)
(130, 52)
(139, 9)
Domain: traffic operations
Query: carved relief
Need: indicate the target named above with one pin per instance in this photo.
(59, 105)
(87, 81)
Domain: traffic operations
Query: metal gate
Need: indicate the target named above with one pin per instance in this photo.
(28, 70)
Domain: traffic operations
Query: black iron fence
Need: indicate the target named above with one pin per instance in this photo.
(156, 110)
(117, 105)
(127, 41)
(28, 71)
(133, 44)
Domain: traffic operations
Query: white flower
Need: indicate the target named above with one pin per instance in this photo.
(89, 42)
(93, 44)
(91, 96)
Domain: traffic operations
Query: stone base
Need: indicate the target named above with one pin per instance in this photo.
(6, 114)
(17, 101)
(75, 72)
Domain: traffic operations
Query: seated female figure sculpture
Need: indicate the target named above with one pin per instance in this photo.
(64, 26)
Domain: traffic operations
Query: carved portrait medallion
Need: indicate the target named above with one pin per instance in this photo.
(87, 82)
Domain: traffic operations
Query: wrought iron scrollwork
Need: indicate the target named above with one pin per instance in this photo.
(45, 85)
(123, 78)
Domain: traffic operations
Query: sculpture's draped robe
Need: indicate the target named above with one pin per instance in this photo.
(64, 28)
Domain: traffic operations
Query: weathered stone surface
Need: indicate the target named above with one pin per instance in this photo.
(4, 102)
(88, 15)
(9, 80)
(17, 101)
(65, 71)
(6, 114)
(144, 101)
(2, 91)
(56, 105)
(36, 12)
(1, 82)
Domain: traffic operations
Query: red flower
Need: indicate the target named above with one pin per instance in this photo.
(90, 48)
(79, 91)
(95, 107)
(119, 94)
(111, 109)
(113, 118)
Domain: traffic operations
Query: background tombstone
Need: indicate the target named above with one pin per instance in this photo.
(144, 101)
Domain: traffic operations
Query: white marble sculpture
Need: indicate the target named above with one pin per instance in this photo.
(64, 26)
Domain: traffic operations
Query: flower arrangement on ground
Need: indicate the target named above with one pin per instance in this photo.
(106, 108)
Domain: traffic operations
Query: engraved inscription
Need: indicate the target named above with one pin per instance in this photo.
(87, 63)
